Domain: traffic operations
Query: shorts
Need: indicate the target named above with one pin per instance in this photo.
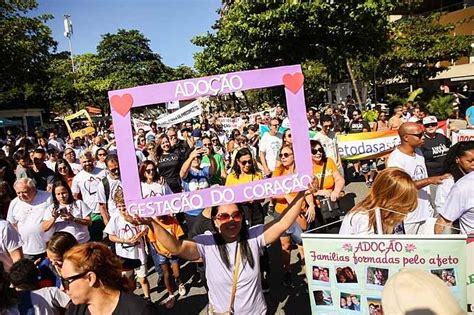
(294, 231)
(140, 272)
(167, 260)
(368, 166)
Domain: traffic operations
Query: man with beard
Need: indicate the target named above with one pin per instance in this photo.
(85, 184)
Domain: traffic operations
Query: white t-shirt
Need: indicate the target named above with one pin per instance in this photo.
(79, 210)
(460, 204)
(155, 189)
(46, 301)
(101, 197)
(442, 192)
(416, 168)
(10, 240)
(356, 223)
(125, 230)
(87, 184)
(27, 218)
(270, 146)
(76, 167)
(50, 165)
(57, 144)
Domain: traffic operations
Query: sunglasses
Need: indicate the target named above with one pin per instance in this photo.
(207, 145)
(67, 281)
(431, 125)
(150, 170)
(285, 155)
(114, 170)
(315, 151)
(245, 162)
(418, 135)
(214, 140)
(101, 154)
(225, 217)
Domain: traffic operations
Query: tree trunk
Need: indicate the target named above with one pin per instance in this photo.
(354, 85)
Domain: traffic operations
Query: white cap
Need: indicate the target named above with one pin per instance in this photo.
(429, 120)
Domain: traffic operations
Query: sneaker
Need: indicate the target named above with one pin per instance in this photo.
(368, 184)
(181, 289)
(169, 302)
(287, 282)
(265, 286)
(355, 174)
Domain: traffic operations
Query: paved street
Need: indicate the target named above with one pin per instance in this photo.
(280, 300)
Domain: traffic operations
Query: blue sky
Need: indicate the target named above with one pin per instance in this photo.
(169, 25)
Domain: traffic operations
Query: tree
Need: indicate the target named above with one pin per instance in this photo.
(127, 60)
(253, 34)
(417, 44)
(25, 51)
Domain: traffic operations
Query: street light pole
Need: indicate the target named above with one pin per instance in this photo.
(68, 33)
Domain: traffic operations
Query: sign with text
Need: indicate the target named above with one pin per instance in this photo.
(121, 101)
(367, 145)
(347, 273)
(463, 135)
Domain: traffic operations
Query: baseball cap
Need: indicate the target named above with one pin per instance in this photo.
(430, 120)
(416, 291)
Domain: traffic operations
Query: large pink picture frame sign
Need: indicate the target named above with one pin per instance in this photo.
(122, 101)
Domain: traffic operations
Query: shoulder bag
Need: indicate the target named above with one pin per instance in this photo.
(329, 209)
(234, 286)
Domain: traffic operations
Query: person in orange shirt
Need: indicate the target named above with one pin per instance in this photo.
(170, 224)
(286, 167)
(330, 187)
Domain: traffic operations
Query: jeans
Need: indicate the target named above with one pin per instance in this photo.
(156, 260)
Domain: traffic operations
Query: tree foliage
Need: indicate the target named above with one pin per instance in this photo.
(25, 51)
(253, 34)
(417, 44)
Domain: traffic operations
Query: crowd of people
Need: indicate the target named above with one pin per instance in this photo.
(68, 241)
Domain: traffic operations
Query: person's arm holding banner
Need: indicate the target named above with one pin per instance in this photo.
(187, 249)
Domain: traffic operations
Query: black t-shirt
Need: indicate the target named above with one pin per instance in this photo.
(358, 126)
(169, 166)
(128, 304)
(201, 225)
(182, 149)
(434, 151)
(42, 178)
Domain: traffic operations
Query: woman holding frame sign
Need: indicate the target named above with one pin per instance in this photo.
(231, 255)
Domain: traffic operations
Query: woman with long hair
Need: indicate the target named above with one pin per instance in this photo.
(286, 137)
(92, 277)
(169, 163)
(232, 245)
(56, 247)
(217, 145)
(293, 233)
(244, 171)
(394, 193)
(151, 152)
(151, 183)
(331, 181)
(232, 144)
(458, 162)
(100, 156)
(67, 214)
(63, 171)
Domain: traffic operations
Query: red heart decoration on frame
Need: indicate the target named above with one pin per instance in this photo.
(293, 82)
(122, 104)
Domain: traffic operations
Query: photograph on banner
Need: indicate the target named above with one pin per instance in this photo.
(359, 268)
(188, 169)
